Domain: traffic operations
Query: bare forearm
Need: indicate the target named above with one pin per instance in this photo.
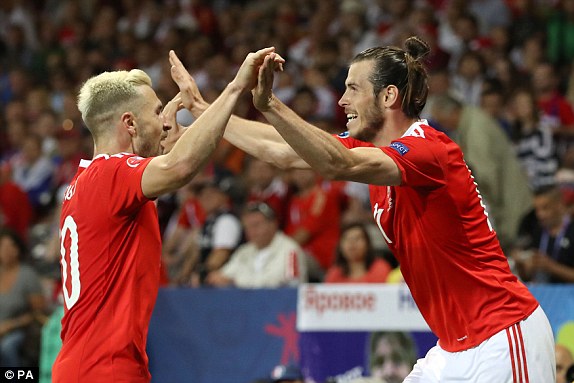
(192, 150)
(259, 140)
(200, 140)
(316, 147)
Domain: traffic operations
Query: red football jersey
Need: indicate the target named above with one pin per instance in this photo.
(436, 226)
(111, 248)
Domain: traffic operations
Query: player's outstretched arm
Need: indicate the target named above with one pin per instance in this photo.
(256, 138)
(319, 149)
(169, 172)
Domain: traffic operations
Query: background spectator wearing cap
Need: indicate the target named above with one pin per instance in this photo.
(265, 184)
(268, 259)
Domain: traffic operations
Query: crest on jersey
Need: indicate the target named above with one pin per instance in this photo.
(344, 134)
(399, 147)
(133, 162)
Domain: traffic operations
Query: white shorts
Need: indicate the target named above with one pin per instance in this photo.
(522, 353)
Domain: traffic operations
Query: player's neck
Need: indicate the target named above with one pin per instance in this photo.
(394, 127)
(110, 149)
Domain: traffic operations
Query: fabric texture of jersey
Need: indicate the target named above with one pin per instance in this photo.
(436, 226)
(111, 250)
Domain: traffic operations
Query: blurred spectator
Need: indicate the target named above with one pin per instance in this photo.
(16, 211)
(51, 344)
(356, 207)
(565, 180)
(527, 20)
(395, 19)
(489, 154)
(554, 106)
(305, 103)
(264, 184)
(448, 38)
(533, 140)
(503, 71)
(15, 85)
(46, 127)
(493, 102)
(33, 171)
(544, 250)
(182, 234)
(313, 219)
(355, 260)
(438, 58)
(469, 78)
(69, 144)
(529, 54)
(560, 34)
(21, 303)
(220, 233)
(269, 258)
(392, 356)
(490, 14)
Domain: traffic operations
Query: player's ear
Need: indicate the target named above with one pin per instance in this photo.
(129, 123)
(390, 95)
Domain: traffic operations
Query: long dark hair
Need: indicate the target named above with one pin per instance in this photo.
(18, 241)
(341, 261)
(402, 68)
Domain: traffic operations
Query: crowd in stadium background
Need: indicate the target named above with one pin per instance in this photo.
(506, 63)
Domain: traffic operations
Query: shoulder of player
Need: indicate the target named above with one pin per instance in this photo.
(118, 159)
(424, 134)
(351, 142)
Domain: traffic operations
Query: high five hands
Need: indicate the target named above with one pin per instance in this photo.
(256, 74)
(262, 92)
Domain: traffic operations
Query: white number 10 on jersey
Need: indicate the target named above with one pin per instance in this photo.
(70, 297)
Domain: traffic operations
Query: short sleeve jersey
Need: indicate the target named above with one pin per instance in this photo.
(111, 248)
(436, 226)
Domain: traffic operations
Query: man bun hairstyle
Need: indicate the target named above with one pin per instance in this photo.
(417, 48)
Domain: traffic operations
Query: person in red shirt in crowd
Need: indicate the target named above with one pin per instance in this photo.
(16, 211)
(180, 237)
(69, 143)
(313, 219)
(427, 207)
(355, 259)
(110, 238)
(556, 111)
(264, 184)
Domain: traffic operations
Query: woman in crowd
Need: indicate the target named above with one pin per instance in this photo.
(355, 259)
(21, 300)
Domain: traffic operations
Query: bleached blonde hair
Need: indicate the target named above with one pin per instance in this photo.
(103, 98)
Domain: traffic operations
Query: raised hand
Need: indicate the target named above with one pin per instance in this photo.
(247, 74)
(262, 92)
(175, 131)
(191, 98)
